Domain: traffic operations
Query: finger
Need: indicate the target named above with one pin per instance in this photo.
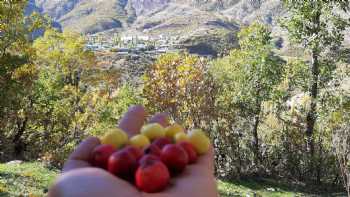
(203, 167)
(133, 120)
(161, 118)
(84, 149)
(91, 182)
(75, 164)
(81, 155)
(207, 160)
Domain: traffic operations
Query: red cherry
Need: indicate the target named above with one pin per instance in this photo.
(147, 158)
(122, 164)
(161, 142)
(192, 155)
(100, 155)
(136, 152)
(153, 150)
(152, 176)
(174, 157)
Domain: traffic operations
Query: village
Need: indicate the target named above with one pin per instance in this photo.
(133, 44)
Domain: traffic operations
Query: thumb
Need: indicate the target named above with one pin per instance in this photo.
(81, 156)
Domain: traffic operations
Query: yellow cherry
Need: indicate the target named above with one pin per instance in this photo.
(199, 140)
(139, 141)
(173, 129)
(153, 131)
(180, 137)
(115, 137)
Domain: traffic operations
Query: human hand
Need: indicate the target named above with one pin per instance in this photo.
(79, 178)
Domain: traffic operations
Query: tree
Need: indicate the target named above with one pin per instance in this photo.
(319, 27)
(248, 77)
(60, 95)
(179, 84)
(110, 108)
(340, 122)
(72, 97)
(17, 70)
(341, 141)
(117, 41)
(335, 118)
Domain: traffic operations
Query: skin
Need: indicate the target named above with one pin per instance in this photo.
(79, 179)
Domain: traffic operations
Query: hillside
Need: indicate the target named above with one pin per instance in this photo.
(87, 16)
(210, 24)
(196, 28)
(91, 16)
(205, 28)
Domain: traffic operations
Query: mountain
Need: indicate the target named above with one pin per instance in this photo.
(86, 16)
(205, 32)
(92, 16)
(198, 23)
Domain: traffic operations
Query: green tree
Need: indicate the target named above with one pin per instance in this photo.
(17, 70)
(285, 122)
(117, 41)
(60, 96)
(335, 120)
(319, 27)
(108, 109)
(72, 97)
(248, 77)
(339, 122)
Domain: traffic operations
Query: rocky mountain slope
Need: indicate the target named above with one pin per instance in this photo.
(91, 16)
(87, 16)
(196, 22)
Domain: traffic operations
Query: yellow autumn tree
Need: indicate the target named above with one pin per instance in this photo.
(179, 85)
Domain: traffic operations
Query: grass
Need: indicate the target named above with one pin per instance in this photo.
(269, 188)
(249, 188)
(33, 180)
(27, 179)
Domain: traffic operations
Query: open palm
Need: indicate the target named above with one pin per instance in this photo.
(79, 178)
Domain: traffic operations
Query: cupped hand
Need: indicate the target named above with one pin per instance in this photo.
(80, 179)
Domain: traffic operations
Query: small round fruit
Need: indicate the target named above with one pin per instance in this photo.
(153, 131)
(161, 142)
(100, 155)
(146, 158)
(139, 141)
(192, 155)
(122, 164)
(181, 137)
(115, 137)
(174, 157)
(152, 176)
(199, 140)
(136, 152)
(173, 129)
(152, 150)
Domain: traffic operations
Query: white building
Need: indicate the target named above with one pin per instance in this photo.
(126, 38)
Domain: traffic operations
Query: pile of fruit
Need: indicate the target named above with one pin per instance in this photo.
(152, 157)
